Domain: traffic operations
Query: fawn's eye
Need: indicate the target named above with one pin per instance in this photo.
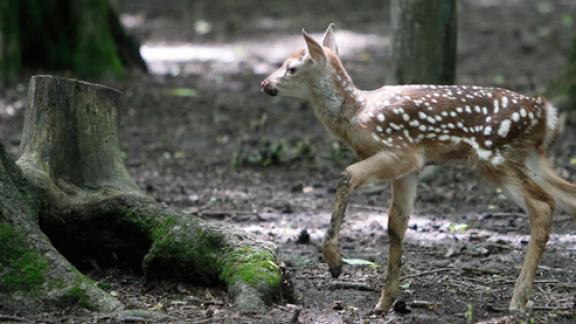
(291, 70)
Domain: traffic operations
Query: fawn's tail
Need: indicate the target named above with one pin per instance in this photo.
(563, 191)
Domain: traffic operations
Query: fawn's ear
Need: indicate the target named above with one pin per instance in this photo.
(329, 39)
(314, 49)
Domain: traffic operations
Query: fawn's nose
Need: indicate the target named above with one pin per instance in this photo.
(266, 86)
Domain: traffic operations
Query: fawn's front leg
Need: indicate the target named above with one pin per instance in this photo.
(402, 203)
(382, 166)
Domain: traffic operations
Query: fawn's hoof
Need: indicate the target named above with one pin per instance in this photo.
(333, 259)
(336, 270)
(376, 312)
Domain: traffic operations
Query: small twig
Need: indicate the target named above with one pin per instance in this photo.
(538, 308)
(502, 281)
(4, 318)
(374, 208)
(469, 269)
(295, 315)
(423, 304)
(426, 273)
(549, 308)
(350, 285)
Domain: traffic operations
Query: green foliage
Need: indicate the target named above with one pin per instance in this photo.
(268, 153)
(340, 154)
(469, 313)
(21, 269)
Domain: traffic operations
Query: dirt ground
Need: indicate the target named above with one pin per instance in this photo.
(199, 136)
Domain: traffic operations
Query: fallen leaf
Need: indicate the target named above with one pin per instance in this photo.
(361, 262)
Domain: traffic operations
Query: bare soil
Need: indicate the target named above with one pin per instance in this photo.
(201, 137)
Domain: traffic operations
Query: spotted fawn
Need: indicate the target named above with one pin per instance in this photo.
(397, 130)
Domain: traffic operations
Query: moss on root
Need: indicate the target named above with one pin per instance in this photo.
(21, 269)
(256, 267)
(76, 296)
(201, 250)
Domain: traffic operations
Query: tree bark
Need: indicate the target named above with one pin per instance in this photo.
(424, 41)
(84, 36)
(571, 80)
(93, 209)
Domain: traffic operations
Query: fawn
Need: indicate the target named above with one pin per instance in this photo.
(396, 130)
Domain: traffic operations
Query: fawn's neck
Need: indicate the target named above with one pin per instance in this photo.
(335, 99)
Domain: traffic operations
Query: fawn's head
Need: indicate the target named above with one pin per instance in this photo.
(293, 78)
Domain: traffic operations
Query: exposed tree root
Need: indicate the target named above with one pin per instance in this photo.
(74, 189)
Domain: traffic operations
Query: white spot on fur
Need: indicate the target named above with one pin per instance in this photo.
(422, 115)
(504, 128)
(379, 129)
(414, 123)
(406, 117)
(504, 102)
(496, 106)
(488, 130)
(497, 159)
(515, 116)
(523, 112)
(381, 117)
(488, 143)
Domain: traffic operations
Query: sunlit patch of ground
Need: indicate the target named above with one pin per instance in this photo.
(259, 56)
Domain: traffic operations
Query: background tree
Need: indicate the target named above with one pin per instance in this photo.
(83, 36)
(424, 41)
(571, 79)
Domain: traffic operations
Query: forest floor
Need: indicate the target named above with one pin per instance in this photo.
(199, 136)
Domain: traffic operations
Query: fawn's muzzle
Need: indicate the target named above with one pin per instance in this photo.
(267, 87)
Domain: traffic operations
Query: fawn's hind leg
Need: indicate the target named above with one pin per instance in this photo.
(539, 205)
(402, 203)
(381, 166)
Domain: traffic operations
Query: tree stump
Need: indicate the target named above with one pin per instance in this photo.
(77, 192)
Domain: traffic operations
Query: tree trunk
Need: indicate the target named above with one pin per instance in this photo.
(94, 210)
(571, 80)
(424, 41)
(84, 36)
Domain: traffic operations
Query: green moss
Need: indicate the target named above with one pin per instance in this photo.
(96, 53)
(202, 250)
(162, 231)
(256, 268)
(77, 296)
(21, 269)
